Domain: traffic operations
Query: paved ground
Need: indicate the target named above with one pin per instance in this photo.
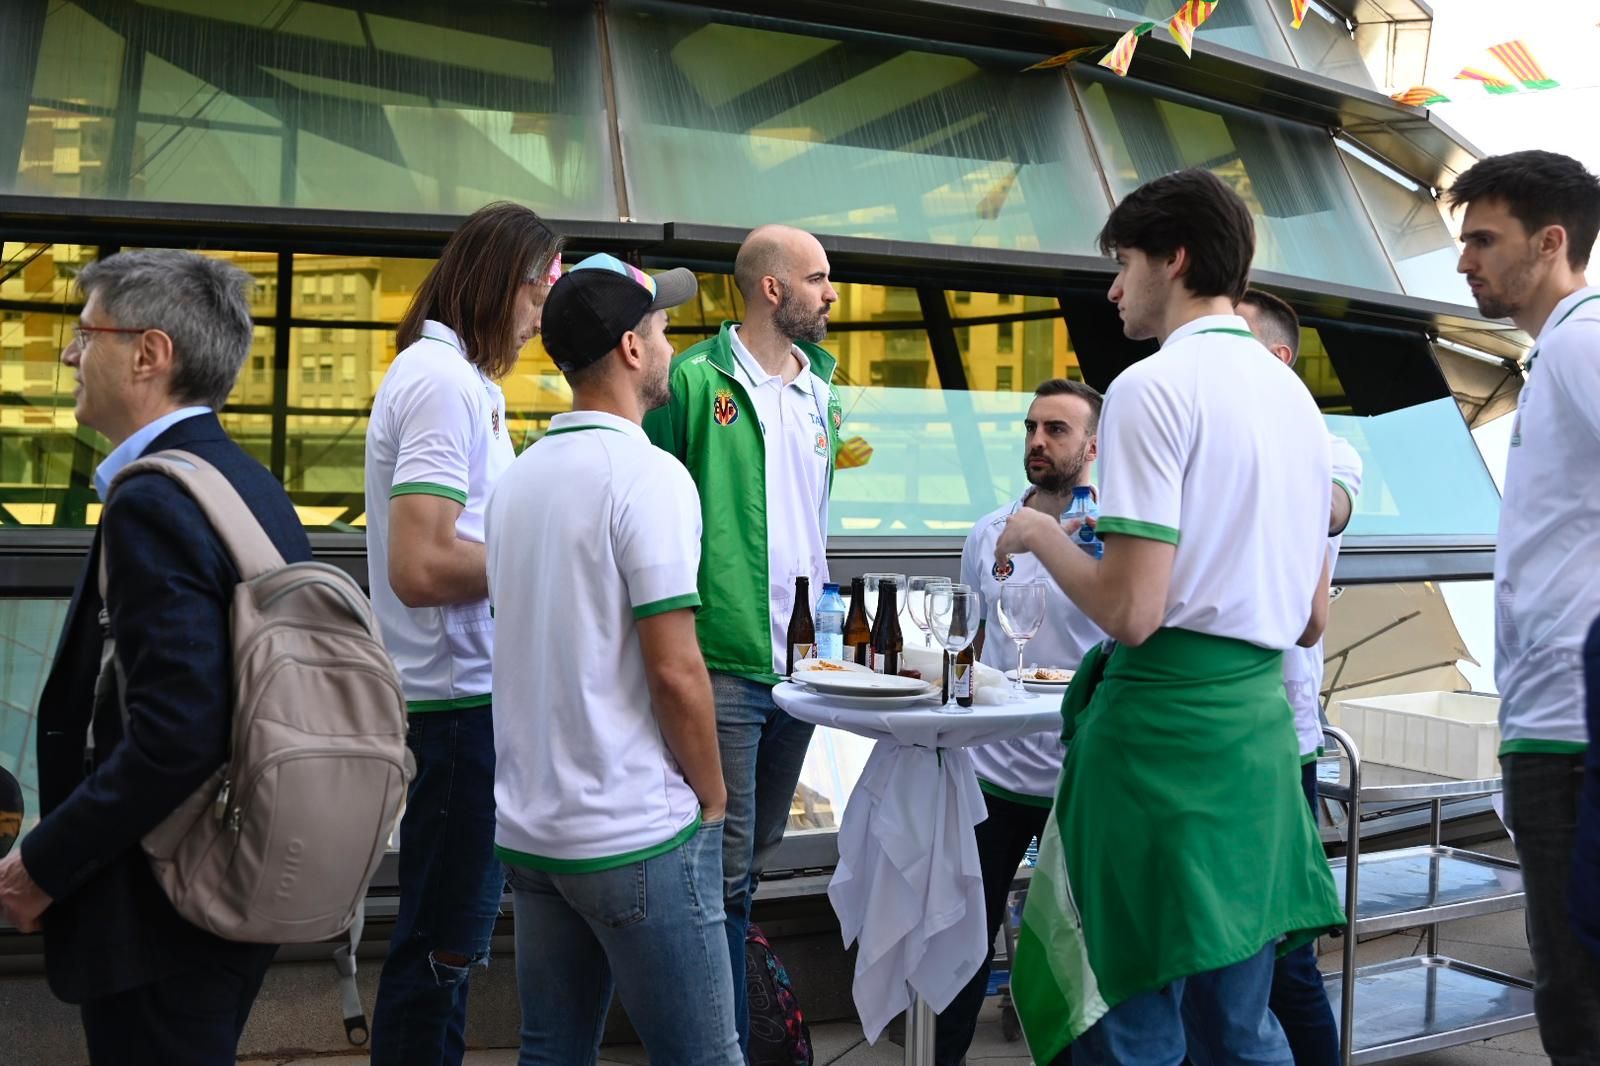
(1496, 941)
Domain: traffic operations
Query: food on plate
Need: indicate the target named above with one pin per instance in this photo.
(1046, 673)
(909, 672)
(821, 665)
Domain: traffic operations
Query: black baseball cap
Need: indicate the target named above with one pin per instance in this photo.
(599, 300)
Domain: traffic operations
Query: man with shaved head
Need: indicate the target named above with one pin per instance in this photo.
(756, 421)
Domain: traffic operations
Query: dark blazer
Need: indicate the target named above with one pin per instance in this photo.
(1584, 901)
(170, 585)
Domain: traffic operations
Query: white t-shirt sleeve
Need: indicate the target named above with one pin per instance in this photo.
(655, 527)
(1145, 438)
(1574, 370)
(1346, 467)
(970, 563)
(434, 420)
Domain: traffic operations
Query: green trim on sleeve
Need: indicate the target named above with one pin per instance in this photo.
(460, 703)
(1309, 757)
(603, 862)
(1535, 746)
(672, 603)
(428, 488)
(1132, 527)
(1019, 798)
(1348, 491)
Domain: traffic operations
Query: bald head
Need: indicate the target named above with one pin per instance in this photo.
(782, 272)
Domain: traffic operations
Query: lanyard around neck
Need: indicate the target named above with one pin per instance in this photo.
(1535, 353)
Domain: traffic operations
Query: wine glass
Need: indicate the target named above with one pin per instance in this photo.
(917, 591)
(873, 581)
(953, 612)
(1021, 615)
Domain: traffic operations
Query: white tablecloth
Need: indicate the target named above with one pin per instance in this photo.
(907, 886)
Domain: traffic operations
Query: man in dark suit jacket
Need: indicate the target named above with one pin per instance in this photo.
(160, 341)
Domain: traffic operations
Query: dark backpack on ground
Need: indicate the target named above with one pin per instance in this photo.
(779, 1035)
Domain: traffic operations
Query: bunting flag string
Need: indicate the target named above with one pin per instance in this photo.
(1498, 86)
(1520, 62)
(1420, 96)
(1121, 53)
(1064, 58)
(1187, 20)
(1298, 9)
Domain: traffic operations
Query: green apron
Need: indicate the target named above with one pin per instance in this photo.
(1180, 841)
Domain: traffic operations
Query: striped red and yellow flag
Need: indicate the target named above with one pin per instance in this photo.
(1520, 62)
(1494, 84)
(852, 453)
(1187, 20)
(1420, 96)
(1297, 9)
(1121, 53)
(1064, 58)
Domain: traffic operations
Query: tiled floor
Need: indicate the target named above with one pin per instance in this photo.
(1496, 941)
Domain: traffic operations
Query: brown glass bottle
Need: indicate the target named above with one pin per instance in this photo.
(886, 637)
(802, 636)
(857, 634)
(964, 670)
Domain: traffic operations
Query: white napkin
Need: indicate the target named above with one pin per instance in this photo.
(989, 685)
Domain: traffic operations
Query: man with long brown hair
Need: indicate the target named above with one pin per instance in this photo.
(436, 443)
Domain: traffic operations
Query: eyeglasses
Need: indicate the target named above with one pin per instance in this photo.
(80, 340)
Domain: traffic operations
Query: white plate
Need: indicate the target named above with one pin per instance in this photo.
(881, 703)
(1011, 675)
(1048, 688)
(866, 686)
(806, 667)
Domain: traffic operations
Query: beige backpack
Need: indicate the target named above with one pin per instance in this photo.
(278, 846)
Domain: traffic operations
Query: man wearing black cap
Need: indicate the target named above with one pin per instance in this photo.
(608, 787)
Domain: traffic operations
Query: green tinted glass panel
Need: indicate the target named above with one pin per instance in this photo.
(1243, 25)
(441, 109)
(1322, 44)
(1309, 221)
(1414, 233)
(1422, 474)
(29, 629)
(741, 121)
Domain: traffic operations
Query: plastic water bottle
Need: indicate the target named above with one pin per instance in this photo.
(830, 623)
(1083, 507)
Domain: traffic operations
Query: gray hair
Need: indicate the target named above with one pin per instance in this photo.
(202, 304)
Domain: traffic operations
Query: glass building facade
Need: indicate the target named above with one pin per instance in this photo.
(327, 148)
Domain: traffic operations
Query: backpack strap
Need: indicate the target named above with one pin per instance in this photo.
(235, 524)
(247, 543)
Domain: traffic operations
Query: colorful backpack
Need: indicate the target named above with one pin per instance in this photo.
(779, 1035)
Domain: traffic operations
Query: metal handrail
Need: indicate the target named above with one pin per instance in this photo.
(1352, 867)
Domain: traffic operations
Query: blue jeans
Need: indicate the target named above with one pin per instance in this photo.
(1299, 1000)
(654, 928)
(762, 751)
(450, 886)
(1219, 1018)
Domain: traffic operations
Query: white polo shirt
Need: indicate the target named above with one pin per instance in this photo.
(793, 419)
(583, 778)
(1302, 667)
(437, 428)
(1547, 556)
(1023, 770)
(1211, 446)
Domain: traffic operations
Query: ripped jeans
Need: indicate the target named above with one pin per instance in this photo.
(450, 888)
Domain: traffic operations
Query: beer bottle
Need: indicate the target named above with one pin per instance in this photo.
(857, 634)
(802, 636)
(886, 637)
(964, 667)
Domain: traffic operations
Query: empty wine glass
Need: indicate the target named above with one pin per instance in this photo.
(953, 611)
(917, 591)
(1021, 615)
(873, 582)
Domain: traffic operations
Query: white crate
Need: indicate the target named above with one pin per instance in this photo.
(1453, 734)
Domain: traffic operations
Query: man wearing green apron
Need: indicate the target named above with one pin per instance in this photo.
(1179, 858)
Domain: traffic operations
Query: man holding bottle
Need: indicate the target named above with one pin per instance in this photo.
(1018, 777)
(754, 418)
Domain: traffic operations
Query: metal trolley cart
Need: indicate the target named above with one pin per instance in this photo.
(1427, 1001)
